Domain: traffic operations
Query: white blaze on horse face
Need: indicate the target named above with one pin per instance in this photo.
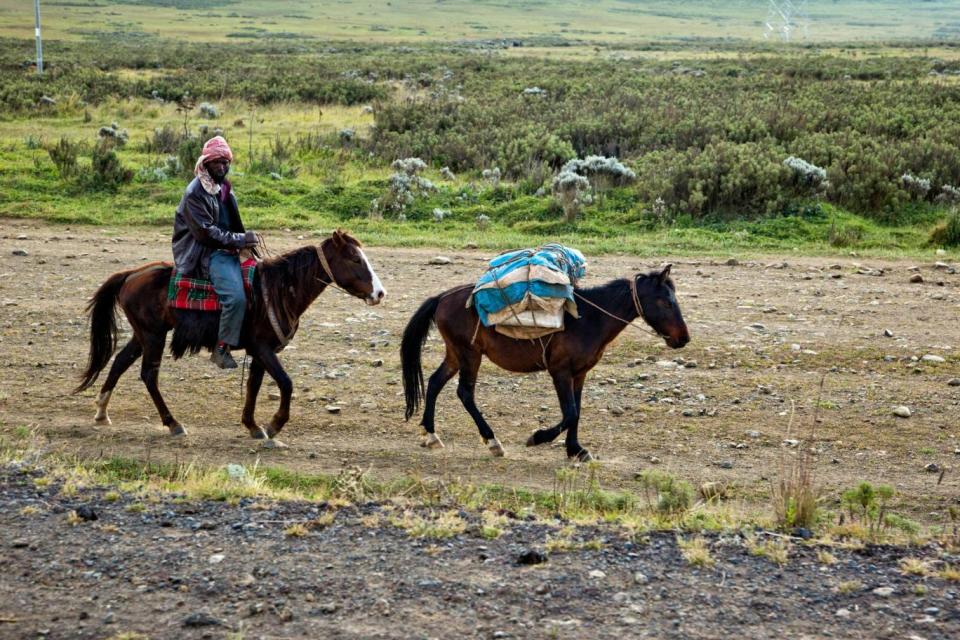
(378, 293)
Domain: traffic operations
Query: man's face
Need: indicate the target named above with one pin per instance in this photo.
(218, 169)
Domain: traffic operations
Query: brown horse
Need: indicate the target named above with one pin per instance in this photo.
(284, 288)
(568, 355)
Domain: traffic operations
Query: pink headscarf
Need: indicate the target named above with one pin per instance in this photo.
(216, 148)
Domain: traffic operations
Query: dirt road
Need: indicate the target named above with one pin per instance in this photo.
(764, 333)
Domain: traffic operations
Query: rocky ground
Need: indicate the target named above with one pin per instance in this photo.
(92, 564)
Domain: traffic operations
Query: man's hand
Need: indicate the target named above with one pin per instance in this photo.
(252, 239)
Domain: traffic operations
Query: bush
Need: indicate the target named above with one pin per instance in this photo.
(572, 191)
(947, 234)
(165, 139)
(108, 172)
(672, 495)
(64, 156)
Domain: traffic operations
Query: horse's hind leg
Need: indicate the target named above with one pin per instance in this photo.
(440, 377)
(469, 365)
(249, 407)
(150, 374)
(126, 357)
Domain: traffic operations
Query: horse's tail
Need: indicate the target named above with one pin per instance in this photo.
(414, 336)
(103, 327)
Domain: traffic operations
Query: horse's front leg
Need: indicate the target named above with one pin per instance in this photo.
(543, 436)
(272, 365)
(250, 405)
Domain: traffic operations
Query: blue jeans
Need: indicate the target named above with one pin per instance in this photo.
(228, 283)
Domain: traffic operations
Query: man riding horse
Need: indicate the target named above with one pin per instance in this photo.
(207, 238)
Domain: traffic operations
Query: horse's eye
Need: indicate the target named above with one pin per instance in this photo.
(355, 259)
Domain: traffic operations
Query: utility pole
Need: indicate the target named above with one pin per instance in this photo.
(36, 6)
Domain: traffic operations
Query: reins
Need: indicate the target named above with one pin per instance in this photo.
(636, 304)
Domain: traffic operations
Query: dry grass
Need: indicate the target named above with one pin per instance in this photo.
(776, 550)
(29, 510)
(73, 519)
(950, 574)
(825, 557)
(849, 586)
(445, 525)
(915, 567)
(695, 551)
(794, 493)
(297, 530)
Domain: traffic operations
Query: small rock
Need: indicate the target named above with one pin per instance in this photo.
(932, 468)
(440, 260)
(531, 556)
(954, 382)
(616, 410)
(597, 574)
(732, 262)
(842, 613)
(883, 592)
(377, 363)
(273, 395)
(216, 558)
(86, 513)
(753, 434)
(932, 358)
(655, 460)
(724, 464)
(916, 278)
(888, 333)
(20, 252)
(200, 620)
(902, 412)
(790, 442)
(640, 578)
(256, 608)
(328, 608)
(471, 245)
(332, 408)
(803, 532)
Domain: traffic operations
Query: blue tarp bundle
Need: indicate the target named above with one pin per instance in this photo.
(514, 277)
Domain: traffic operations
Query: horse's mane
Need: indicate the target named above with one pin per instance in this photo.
(281, 278)
(616, 293)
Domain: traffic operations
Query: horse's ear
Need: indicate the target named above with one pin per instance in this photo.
(666, 272)
(338, 238)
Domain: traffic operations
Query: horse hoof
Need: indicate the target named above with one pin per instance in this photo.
(177, 430)
(532, 440)
(582, 457)
(495, 447)
(273, 443)
(102, 419)
(258, 434)
(432, 441)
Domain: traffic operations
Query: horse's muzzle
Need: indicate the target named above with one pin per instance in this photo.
(677, 342)
(376, 297)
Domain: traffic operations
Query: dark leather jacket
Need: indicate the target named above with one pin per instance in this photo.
(196, 234)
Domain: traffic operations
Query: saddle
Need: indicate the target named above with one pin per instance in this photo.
(197, 294)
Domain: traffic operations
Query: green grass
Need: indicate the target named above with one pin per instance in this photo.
(603, 21)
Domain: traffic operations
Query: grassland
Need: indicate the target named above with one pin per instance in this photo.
(606, 22)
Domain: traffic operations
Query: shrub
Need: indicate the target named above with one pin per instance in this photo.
(947, 234)
(108, 172)
(209, 111)
(492, 176)
(672, 495)
(403, 187)
(165, 139)
(572, 191)
(64, 157)
(115, 133)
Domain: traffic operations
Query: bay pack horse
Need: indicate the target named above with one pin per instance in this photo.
(568, 355)
(283, 288)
